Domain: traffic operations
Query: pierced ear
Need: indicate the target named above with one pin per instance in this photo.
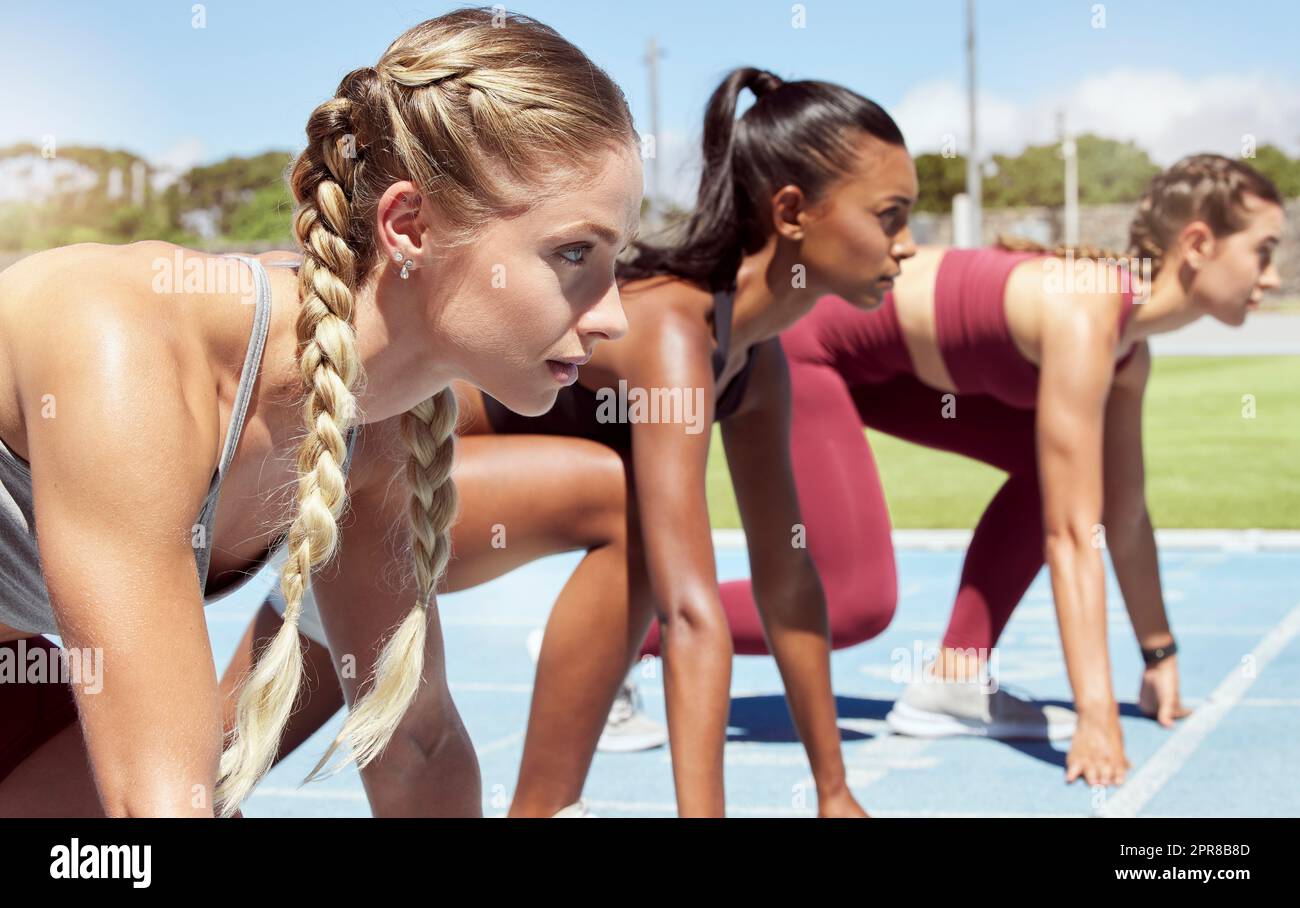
(1199, 243)
(789, 207)
(399, 214)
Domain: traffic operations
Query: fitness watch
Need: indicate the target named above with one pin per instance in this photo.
(1153, 657)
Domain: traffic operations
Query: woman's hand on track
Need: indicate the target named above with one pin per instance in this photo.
(1158, 698)
(1097, 752)
(842, 804)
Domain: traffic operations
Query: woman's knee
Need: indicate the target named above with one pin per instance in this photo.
(860, 606)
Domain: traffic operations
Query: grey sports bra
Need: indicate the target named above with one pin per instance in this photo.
(24, 599)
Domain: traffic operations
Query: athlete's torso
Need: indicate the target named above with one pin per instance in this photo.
(208, 326)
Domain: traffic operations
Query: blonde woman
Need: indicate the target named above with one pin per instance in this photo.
(443, 198)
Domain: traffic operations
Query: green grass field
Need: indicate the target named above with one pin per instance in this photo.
(1208, 464)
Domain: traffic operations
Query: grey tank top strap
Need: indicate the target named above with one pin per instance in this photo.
(247, 379)
(24, 598)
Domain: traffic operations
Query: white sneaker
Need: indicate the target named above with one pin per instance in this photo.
(628, 728)
(534, 643)
(577, 809)
(932, 708)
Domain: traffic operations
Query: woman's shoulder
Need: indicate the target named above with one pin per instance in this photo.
(666, 291)
(74, 312)
(666, 304)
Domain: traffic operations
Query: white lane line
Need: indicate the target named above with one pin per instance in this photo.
(1182, 744)
(309, 794)
(508, 741)
(774, 811)
(1250, 540)
(671, 809)
(489, 687)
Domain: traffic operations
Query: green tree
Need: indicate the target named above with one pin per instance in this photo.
(1284, 171)
(267, 216)
(940, 178)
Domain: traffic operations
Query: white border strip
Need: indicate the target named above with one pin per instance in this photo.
(1252, 540)
(1146, 783)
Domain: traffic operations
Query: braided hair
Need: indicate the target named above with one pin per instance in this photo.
(472, 107)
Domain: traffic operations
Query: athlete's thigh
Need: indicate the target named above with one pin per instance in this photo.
(523, 497)
(974, 425)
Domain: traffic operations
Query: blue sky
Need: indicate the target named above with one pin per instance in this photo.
(1176, 75)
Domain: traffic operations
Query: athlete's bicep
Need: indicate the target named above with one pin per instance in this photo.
(757, 442)
(1125, 473)
(1073, 384)
(670, 459)
(118, 480)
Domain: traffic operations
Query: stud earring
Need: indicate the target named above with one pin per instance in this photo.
(397, 255)
(406, 269)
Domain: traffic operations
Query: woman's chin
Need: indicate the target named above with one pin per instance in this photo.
(534, 404)
(868, 298)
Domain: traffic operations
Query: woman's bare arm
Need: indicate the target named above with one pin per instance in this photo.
(1130, 536)
(429, 768)
(669, 463)
(1078, 346)
(787, 588)
(120, 467)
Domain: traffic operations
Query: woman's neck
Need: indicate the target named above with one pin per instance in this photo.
(1167, 308)
(392, 344)
(767, 302)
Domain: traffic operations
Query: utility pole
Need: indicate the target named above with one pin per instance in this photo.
(974, 176)
(1070, 154)
(652, 55)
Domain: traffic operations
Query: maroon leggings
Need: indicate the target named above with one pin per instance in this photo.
(31, 712)
(843, 505)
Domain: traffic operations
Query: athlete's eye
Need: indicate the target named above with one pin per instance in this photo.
(892, 219)
(579, 253)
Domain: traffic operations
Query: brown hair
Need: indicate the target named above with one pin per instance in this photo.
(1205, 187)
(476, 108)
(1201, 187)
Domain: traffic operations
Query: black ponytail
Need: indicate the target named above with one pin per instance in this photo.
(801, 133)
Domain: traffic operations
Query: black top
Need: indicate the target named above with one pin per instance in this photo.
(574, 413)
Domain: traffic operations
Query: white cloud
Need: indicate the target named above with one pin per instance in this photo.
(180, 157)
(679, 167)
(1166, 113)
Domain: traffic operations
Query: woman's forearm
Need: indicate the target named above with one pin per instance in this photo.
(697, 690)
(1137, 567)
(799, 638)
(1079, 588)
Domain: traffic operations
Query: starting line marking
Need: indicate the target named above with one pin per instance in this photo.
(1146, 783)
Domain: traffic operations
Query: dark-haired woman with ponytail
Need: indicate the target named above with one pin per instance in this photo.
(805, 194)
(1036, 365)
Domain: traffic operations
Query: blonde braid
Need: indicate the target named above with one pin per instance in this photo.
(330, 369)
(483, 112)
(429, 430)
